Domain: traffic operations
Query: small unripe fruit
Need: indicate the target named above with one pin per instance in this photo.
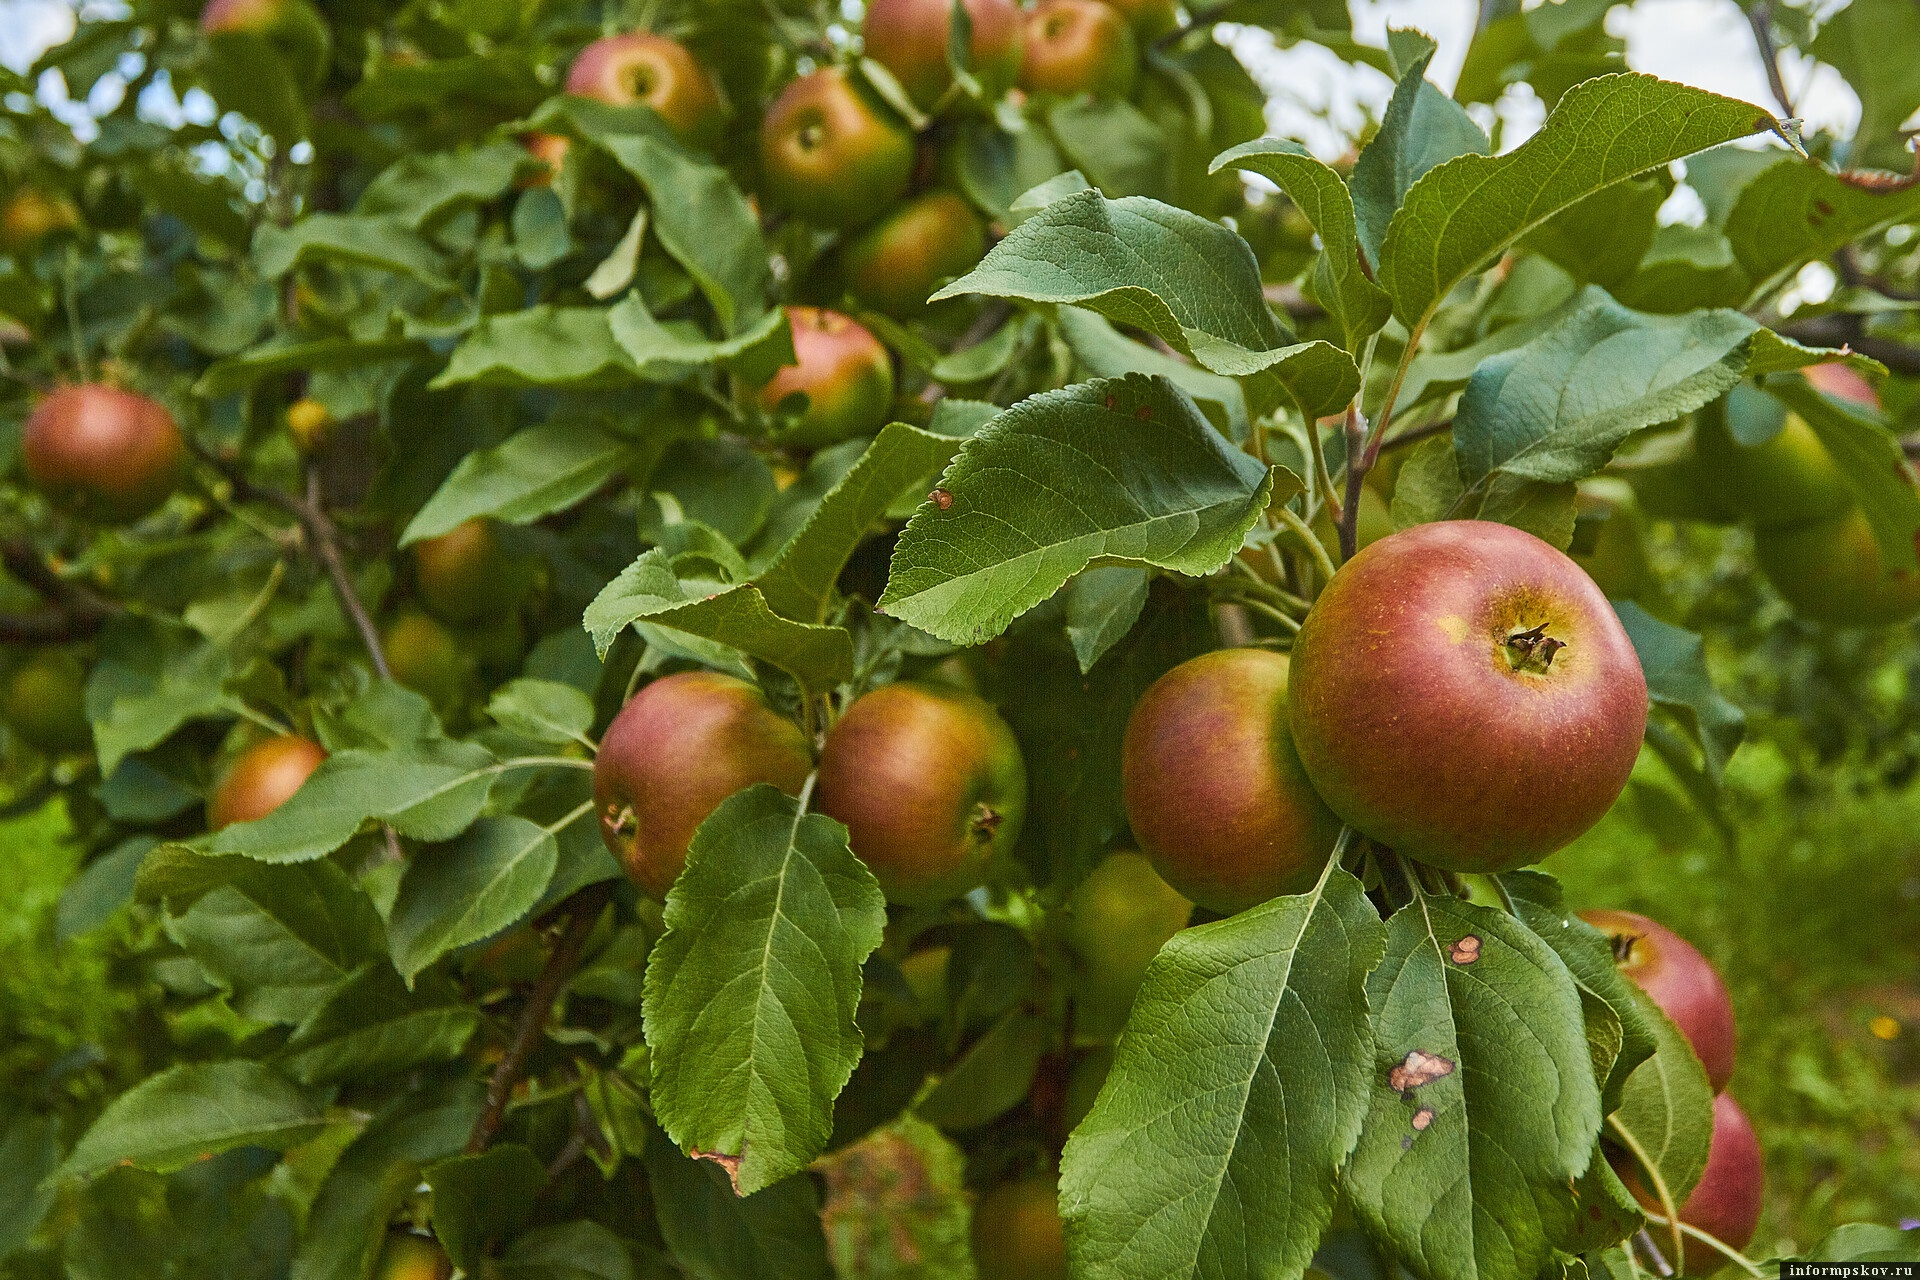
(30, 215)
(845, 374)
(45, 702)
(641, 68)
(1213, 787)
(310, 425)
(930, 784)
(1832, 571)
(1117, 919)
(467, 574)
(409, 1256)
(104, 453)
(909, 38)
(683, 744)
(1726, 1202)
(831, 153)
(264, 776)
(1680, 980)
(894, 267)
(1464, 694)
(550, 149)
(1017, 1232)
(1609, 539)
(1151, 18)
(1078, 46)
(427, 658)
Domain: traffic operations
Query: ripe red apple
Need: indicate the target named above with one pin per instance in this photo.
(930, 784)
(832, 153)
(909, 38)
(1017, 1232)
(468, 573)
(106, 454)
(1116, 921)
(845, 374)
(642, 68)
(1678, 979)
(550, 149)
(1832, 571)
(45, 702)
(1213, 788)
(677, 749)
(1078, 46)
(262, 779)
(1463, 693)
(1726, 1202)
(895, 267)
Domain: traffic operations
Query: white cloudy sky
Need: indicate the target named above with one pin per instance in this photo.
(1317, 98)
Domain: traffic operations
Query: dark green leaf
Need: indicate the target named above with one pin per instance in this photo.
(1105, 352)
(29, 1153)
(417, 189)
(470, 888)
(285, 353)
(483, 1199)
(1675, 661)
(1102, 606)
(991, 1078)
(371, 1027)
(716, 1235)
(1799, 210)
(193, 1110)
(544, 345)
(756, 352)
(545, 468)
(542, 711)
(1667, 1107)
(387, 243)
(1121, 150)
(1867, 1242)
(152, 678)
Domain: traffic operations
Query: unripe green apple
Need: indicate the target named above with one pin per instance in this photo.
(909, 38)
(930, 784)
(310, 425)
(410, 1256)
(1117, 919)
(46, 704)
(1017, 1232)
(468, 573)
(1610, 541)
(1463, 693)
(832, 153)
(895, 267)
(1213, 788)
(106, 454)
(680, 746)
(1680, 980)
(1790, 479)
(640, 68)
(427, 658)
(30, 215)
(1673, 483)
(1832, 571)
(262, 778)
(845, 374)
(1078, 46)
(1084, 1083)
(1727, 1200)
(1150, 18)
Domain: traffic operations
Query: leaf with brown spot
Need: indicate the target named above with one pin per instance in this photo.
(1419, 1068)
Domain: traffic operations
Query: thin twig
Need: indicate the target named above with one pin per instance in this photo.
(1728, 1251)
(1309, 539)
(325, 539)
(74, 613)
(582, 914)
(1760, 18)
(1349, 523)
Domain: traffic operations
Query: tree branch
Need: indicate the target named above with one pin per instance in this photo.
(582, 913)
(74, 613)
(1760, 18)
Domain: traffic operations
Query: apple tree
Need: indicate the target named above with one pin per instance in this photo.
(779, 638)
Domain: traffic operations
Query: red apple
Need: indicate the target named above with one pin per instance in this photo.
(1678, 979)
(1017, 1232)
(550, 149)
(832, 153)
(1463, 693)
(930, 784)
(642, 68)
(909, 38)
(468, 573)
(1078, 46)
(682, 745)
(895, 267)
(1726, 1202)
(845, 374)
(1213, 788)
(108, 454)
(264, 776)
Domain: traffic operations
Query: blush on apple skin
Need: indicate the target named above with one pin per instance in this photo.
(909, 37)
(1463, 693)
(639, 67)
(1680, 980)
(108, 454)
(842, 369)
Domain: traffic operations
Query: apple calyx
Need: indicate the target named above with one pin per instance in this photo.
(986, 821)
(1622, 944)
(1533, 649)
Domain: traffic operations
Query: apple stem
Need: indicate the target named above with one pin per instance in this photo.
(1535, 649)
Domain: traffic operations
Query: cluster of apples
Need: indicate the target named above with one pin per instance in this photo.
(1811, 537)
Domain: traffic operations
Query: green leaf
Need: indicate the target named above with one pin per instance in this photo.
(1857, 42)
(535, 472)
(1871, 459)
(483, 1199)
(544, 345)
(418, 189)
(29, 1154)
(1675, 661)
(648, 591)
(755, 353)
(152, 678)
(1798, 210)
(1119, 469)
(751, 991)
(1102, 606)
(1867, 1242)
(1239, 1087)
(799, 582)
(1603, 238)
(371, 1027)
(542, 711)
(387, 243)
(1180, 277)
(279, 938)
(1341, 282)
(1422, 128)
(716, 1235)
(1556, 408)
(1121, 150)
(346, 1227)
(991, 1078)
(284, 353)
(1430, 487)
(1667, 1106)
(191, 1111)
(1484, 1104)
(1465, 212)
(470, 888)
(1105, 352)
